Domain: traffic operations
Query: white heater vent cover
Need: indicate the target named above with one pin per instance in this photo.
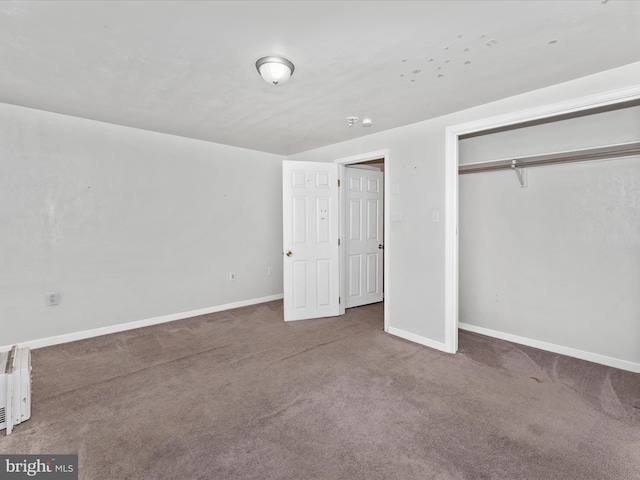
(15, 387)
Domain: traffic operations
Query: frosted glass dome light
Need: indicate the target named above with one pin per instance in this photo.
(275, 70)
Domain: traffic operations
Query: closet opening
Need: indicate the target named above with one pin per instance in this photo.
(539, 251)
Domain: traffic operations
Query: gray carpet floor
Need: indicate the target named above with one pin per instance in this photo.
(243, 395)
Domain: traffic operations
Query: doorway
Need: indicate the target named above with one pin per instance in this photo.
(363, 217)
(314, 257)
(372, 282)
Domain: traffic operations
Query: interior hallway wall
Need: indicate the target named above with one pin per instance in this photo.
(127, 224)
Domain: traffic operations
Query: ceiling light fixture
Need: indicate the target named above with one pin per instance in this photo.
(275, 70)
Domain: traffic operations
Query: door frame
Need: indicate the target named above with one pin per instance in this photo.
(452, 135)
(342, 163)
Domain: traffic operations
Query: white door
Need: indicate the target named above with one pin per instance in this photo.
(364, 236)
(310, 223)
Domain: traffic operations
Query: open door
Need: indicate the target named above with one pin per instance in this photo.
(310, 240)
(364, 236)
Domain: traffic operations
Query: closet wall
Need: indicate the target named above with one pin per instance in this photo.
(557, 262)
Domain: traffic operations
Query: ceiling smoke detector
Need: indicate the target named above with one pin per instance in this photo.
(367, 122)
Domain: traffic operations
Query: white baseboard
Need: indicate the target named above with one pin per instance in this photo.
(551, 347)
(121, 327)
(427, 342)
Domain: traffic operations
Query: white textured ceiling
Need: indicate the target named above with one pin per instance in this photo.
(188, 67)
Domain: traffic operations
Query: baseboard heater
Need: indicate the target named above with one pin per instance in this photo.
(15, 387)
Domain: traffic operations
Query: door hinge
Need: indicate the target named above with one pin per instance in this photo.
(339, 300)
(338, 242)
(338, 182)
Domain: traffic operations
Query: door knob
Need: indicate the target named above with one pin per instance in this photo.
(381, 247)
(289, 253)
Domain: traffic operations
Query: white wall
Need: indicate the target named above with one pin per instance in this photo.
(606, 128)
(416, 163)
(558, 261)
(127, 224)
(415, 247)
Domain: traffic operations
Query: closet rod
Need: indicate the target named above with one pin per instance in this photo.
(594, 153)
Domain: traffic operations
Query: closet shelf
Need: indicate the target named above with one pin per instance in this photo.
(586, 154)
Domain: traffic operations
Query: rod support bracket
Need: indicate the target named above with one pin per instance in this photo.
(520, 172)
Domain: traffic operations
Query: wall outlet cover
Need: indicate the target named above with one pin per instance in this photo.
(52, 298)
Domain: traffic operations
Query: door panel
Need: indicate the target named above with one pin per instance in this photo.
(364, 224)
(355, 207)
(353, 276)
(372, 226)
(373, 283)
(310, 236)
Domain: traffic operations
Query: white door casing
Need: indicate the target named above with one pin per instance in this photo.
(310, 240)
(364, 236)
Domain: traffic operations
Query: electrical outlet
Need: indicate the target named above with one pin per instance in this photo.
(52, 298)
(232, 276)
(270, 271)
